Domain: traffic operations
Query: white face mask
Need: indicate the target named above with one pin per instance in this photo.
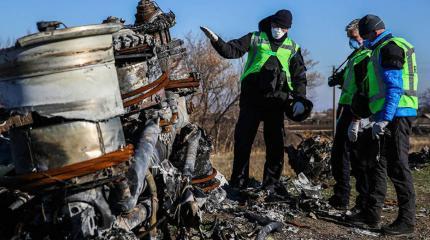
(277, 33)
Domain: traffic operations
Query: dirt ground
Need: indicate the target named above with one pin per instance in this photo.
(324, 229)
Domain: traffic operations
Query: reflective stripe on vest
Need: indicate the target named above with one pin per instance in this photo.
(260, 51)
(349, 86)
(377, 89)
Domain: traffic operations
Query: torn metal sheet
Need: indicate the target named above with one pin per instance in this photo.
(302, 184)
(183, 116)
(364, 232)
(135, 76)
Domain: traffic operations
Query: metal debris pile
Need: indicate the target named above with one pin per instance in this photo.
(256, 213)
(421, 159)
(311, 157)
(97, 141)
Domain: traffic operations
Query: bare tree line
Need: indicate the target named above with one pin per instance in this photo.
(5, 43)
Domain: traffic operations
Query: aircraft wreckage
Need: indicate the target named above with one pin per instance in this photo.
(98, 125)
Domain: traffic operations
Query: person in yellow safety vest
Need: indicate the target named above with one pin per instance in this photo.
(343, 154)
(274, 71)
(393, 102)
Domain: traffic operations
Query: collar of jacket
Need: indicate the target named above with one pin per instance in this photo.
(380, 39)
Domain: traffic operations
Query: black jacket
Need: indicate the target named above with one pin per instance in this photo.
(392, 56)
(360, 71)
(360, 100)
(264, 88)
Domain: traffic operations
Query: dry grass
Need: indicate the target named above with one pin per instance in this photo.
(418, 142)
(224, 164)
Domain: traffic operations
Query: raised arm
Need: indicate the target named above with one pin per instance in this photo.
(232, 49)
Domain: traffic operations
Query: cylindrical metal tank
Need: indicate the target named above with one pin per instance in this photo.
(67, 72)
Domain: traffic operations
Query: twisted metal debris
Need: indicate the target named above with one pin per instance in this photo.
(311, 157)
(102, 144)
(420, 159)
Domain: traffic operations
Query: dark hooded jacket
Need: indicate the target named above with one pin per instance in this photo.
(265, 89)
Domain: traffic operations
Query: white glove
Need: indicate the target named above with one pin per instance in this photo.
(379, 129)
(353, 131)
(298, 109)
(211, 35)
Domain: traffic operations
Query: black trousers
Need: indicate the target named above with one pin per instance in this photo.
(361, 153)
(395, 148)
(340, 156)
(246, 129)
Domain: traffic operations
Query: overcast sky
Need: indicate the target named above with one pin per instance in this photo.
(317, 26)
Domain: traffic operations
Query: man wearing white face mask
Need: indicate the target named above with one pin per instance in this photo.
(275, 71)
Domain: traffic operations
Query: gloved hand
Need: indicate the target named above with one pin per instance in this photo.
(335, 79)
(353, 131)
(211, 35)
(379, 129)
(298, 108)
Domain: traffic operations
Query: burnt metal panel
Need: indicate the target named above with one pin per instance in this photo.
(60, 145)
(134, 76)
